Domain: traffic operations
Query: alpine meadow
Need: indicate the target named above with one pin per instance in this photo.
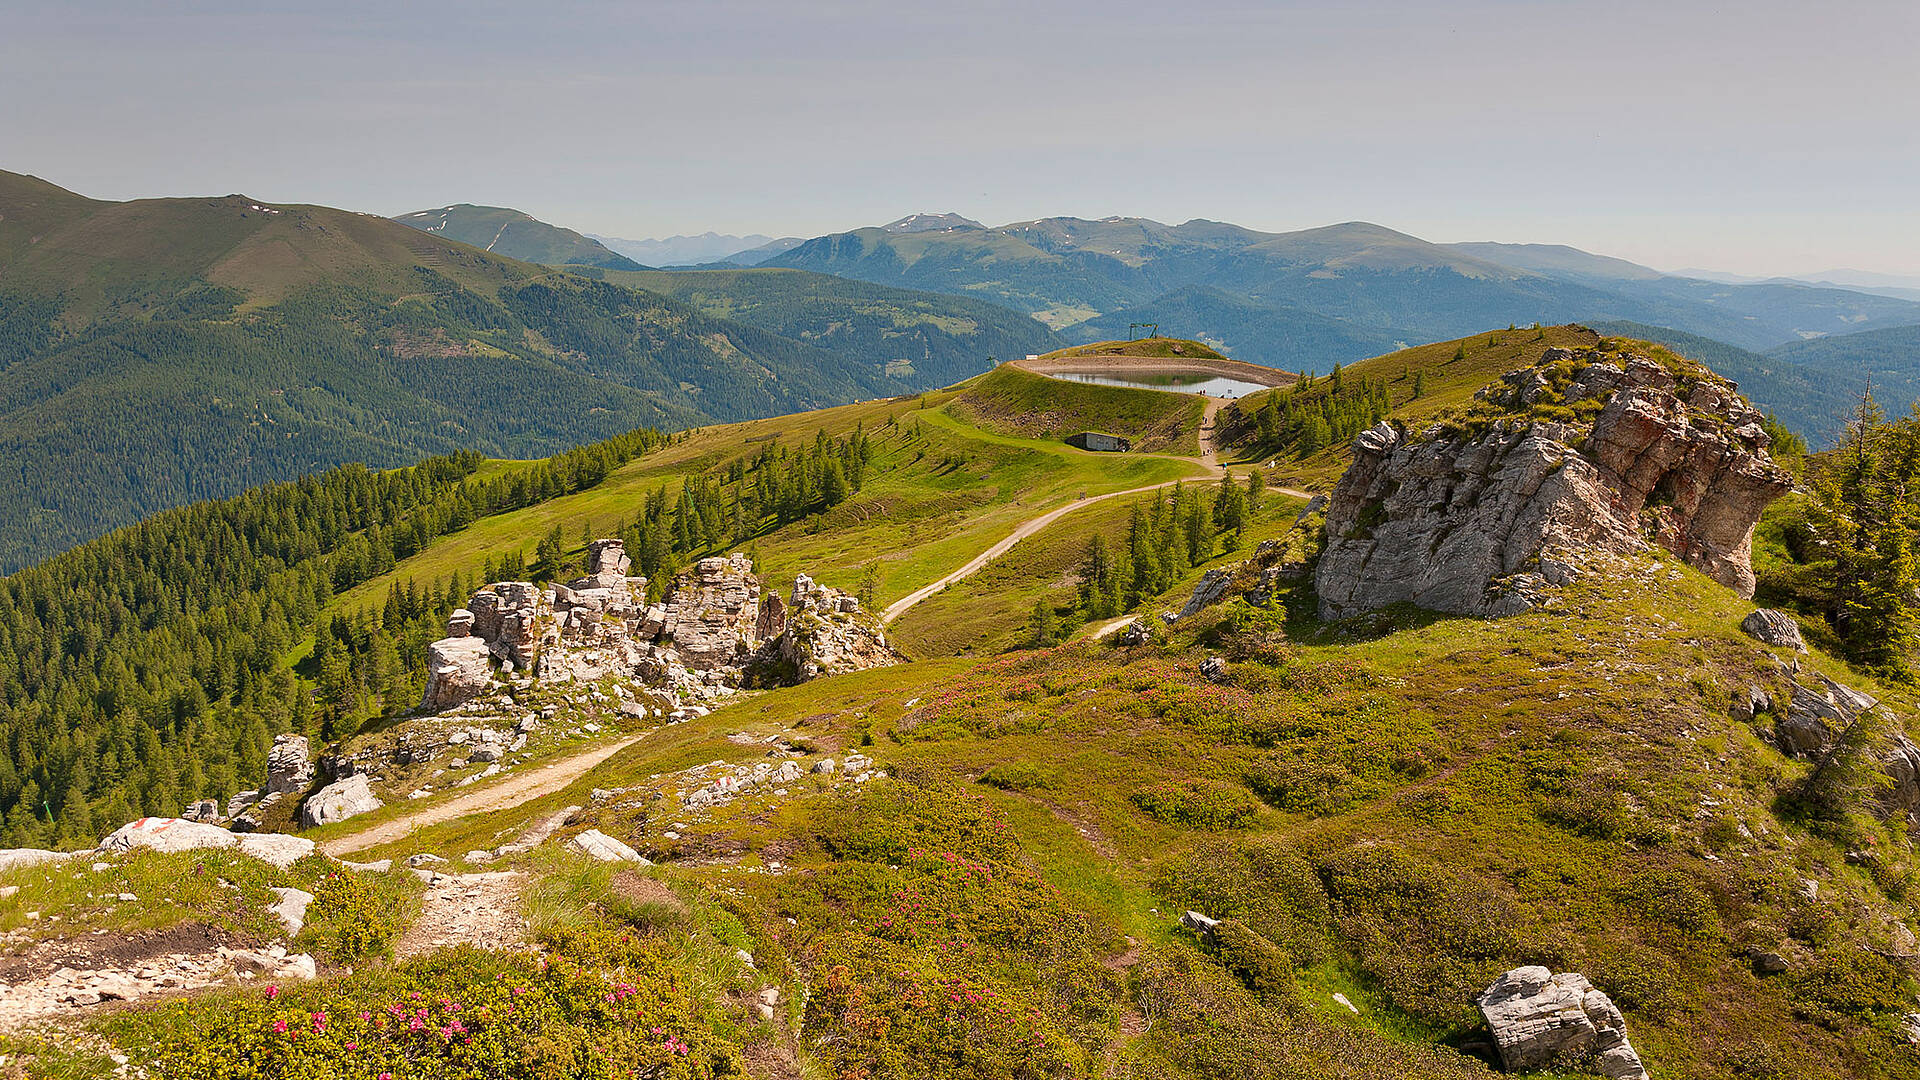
(1272, 542)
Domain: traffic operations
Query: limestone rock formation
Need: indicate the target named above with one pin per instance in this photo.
(825, 632)
(458, 670)
(1540, 1020)
(277, 848)
(287, 766)
(1482, 521)
(290, 907)
(19, 858)
(713, 615)
(1775, 628)
(339, 801)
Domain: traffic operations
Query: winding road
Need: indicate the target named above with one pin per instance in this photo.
(1209, 458)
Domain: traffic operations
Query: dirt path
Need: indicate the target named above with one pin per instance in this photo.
(467, 909)
(1112, 626)
(511, 792)
(1209, 457)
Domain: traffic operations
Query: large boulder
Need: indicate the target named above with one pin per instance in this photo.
(167, 834)
(339, 801)
(1482, 518)
(1541, 1020)
(459, 669)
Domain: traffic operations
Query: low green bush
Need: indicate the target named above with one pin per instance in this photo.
(595, 1008)
(1017, 776)
(1197, 804)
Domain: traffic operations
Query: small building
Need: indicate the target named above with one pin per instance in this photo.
(1099, 440)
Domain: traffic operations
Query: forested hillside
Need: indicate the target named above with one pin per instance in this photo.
(151, 665)
(1308, 299)
(162, 351)
(929, 339)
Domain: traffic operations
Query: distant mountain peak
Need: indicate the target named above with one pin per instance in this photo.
(914, 223)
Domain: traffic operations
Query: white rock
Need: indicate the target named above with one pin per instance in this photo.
(291, 909)
(277, 848)
(167, 834)
(1539, 1019)
(339, 801)
(15, 858)
(598, 845)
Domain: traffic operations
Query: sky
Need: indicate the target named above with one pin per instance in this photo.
(1758, 137)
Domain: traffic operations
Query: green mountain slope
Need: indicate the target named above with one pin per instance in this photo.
(924, 338)
(516, 235)
(160, 351)
(1381, 283)
(1275, 335)
(1383, 815)
(1889, 355)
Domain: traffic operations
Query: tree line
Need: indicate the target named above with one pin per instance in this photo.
(149, 667)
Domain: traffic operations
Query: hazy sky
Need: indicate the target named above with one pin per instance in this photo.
(1758, 137)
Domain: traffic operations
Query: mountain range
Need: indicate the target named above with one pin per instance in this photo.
(704, 249)
(161, 351)
(515, 234)
(1269, 296)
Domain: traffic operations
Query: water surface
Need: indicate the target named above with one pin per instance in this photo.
(1181, 382)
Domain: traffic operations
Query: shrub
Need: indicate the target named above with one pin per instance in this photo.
(1305, 785)
(1198, 804)
(355, 916)
(1017, 776)
(595, 1010)
(1259, 964)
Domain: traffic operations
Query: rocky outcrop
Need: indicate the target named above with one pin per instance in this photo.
(339, 801)
(287, 766)
(459, 669)
(823, 632)
(1775, 628)
(713, 615)
(1817, 711)
(1482, 518)
(506, 615)
(1541, 1020)
(20, 858)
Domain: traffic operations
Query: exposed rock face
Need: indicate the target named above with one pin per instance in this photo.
(825, 633)
(713, 615)
(668, 660)
(458, 670)
(1775, 628)
(1539, 1019)
(339, 801)
(287, 766)
(1482, 523)
(1816, 713)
